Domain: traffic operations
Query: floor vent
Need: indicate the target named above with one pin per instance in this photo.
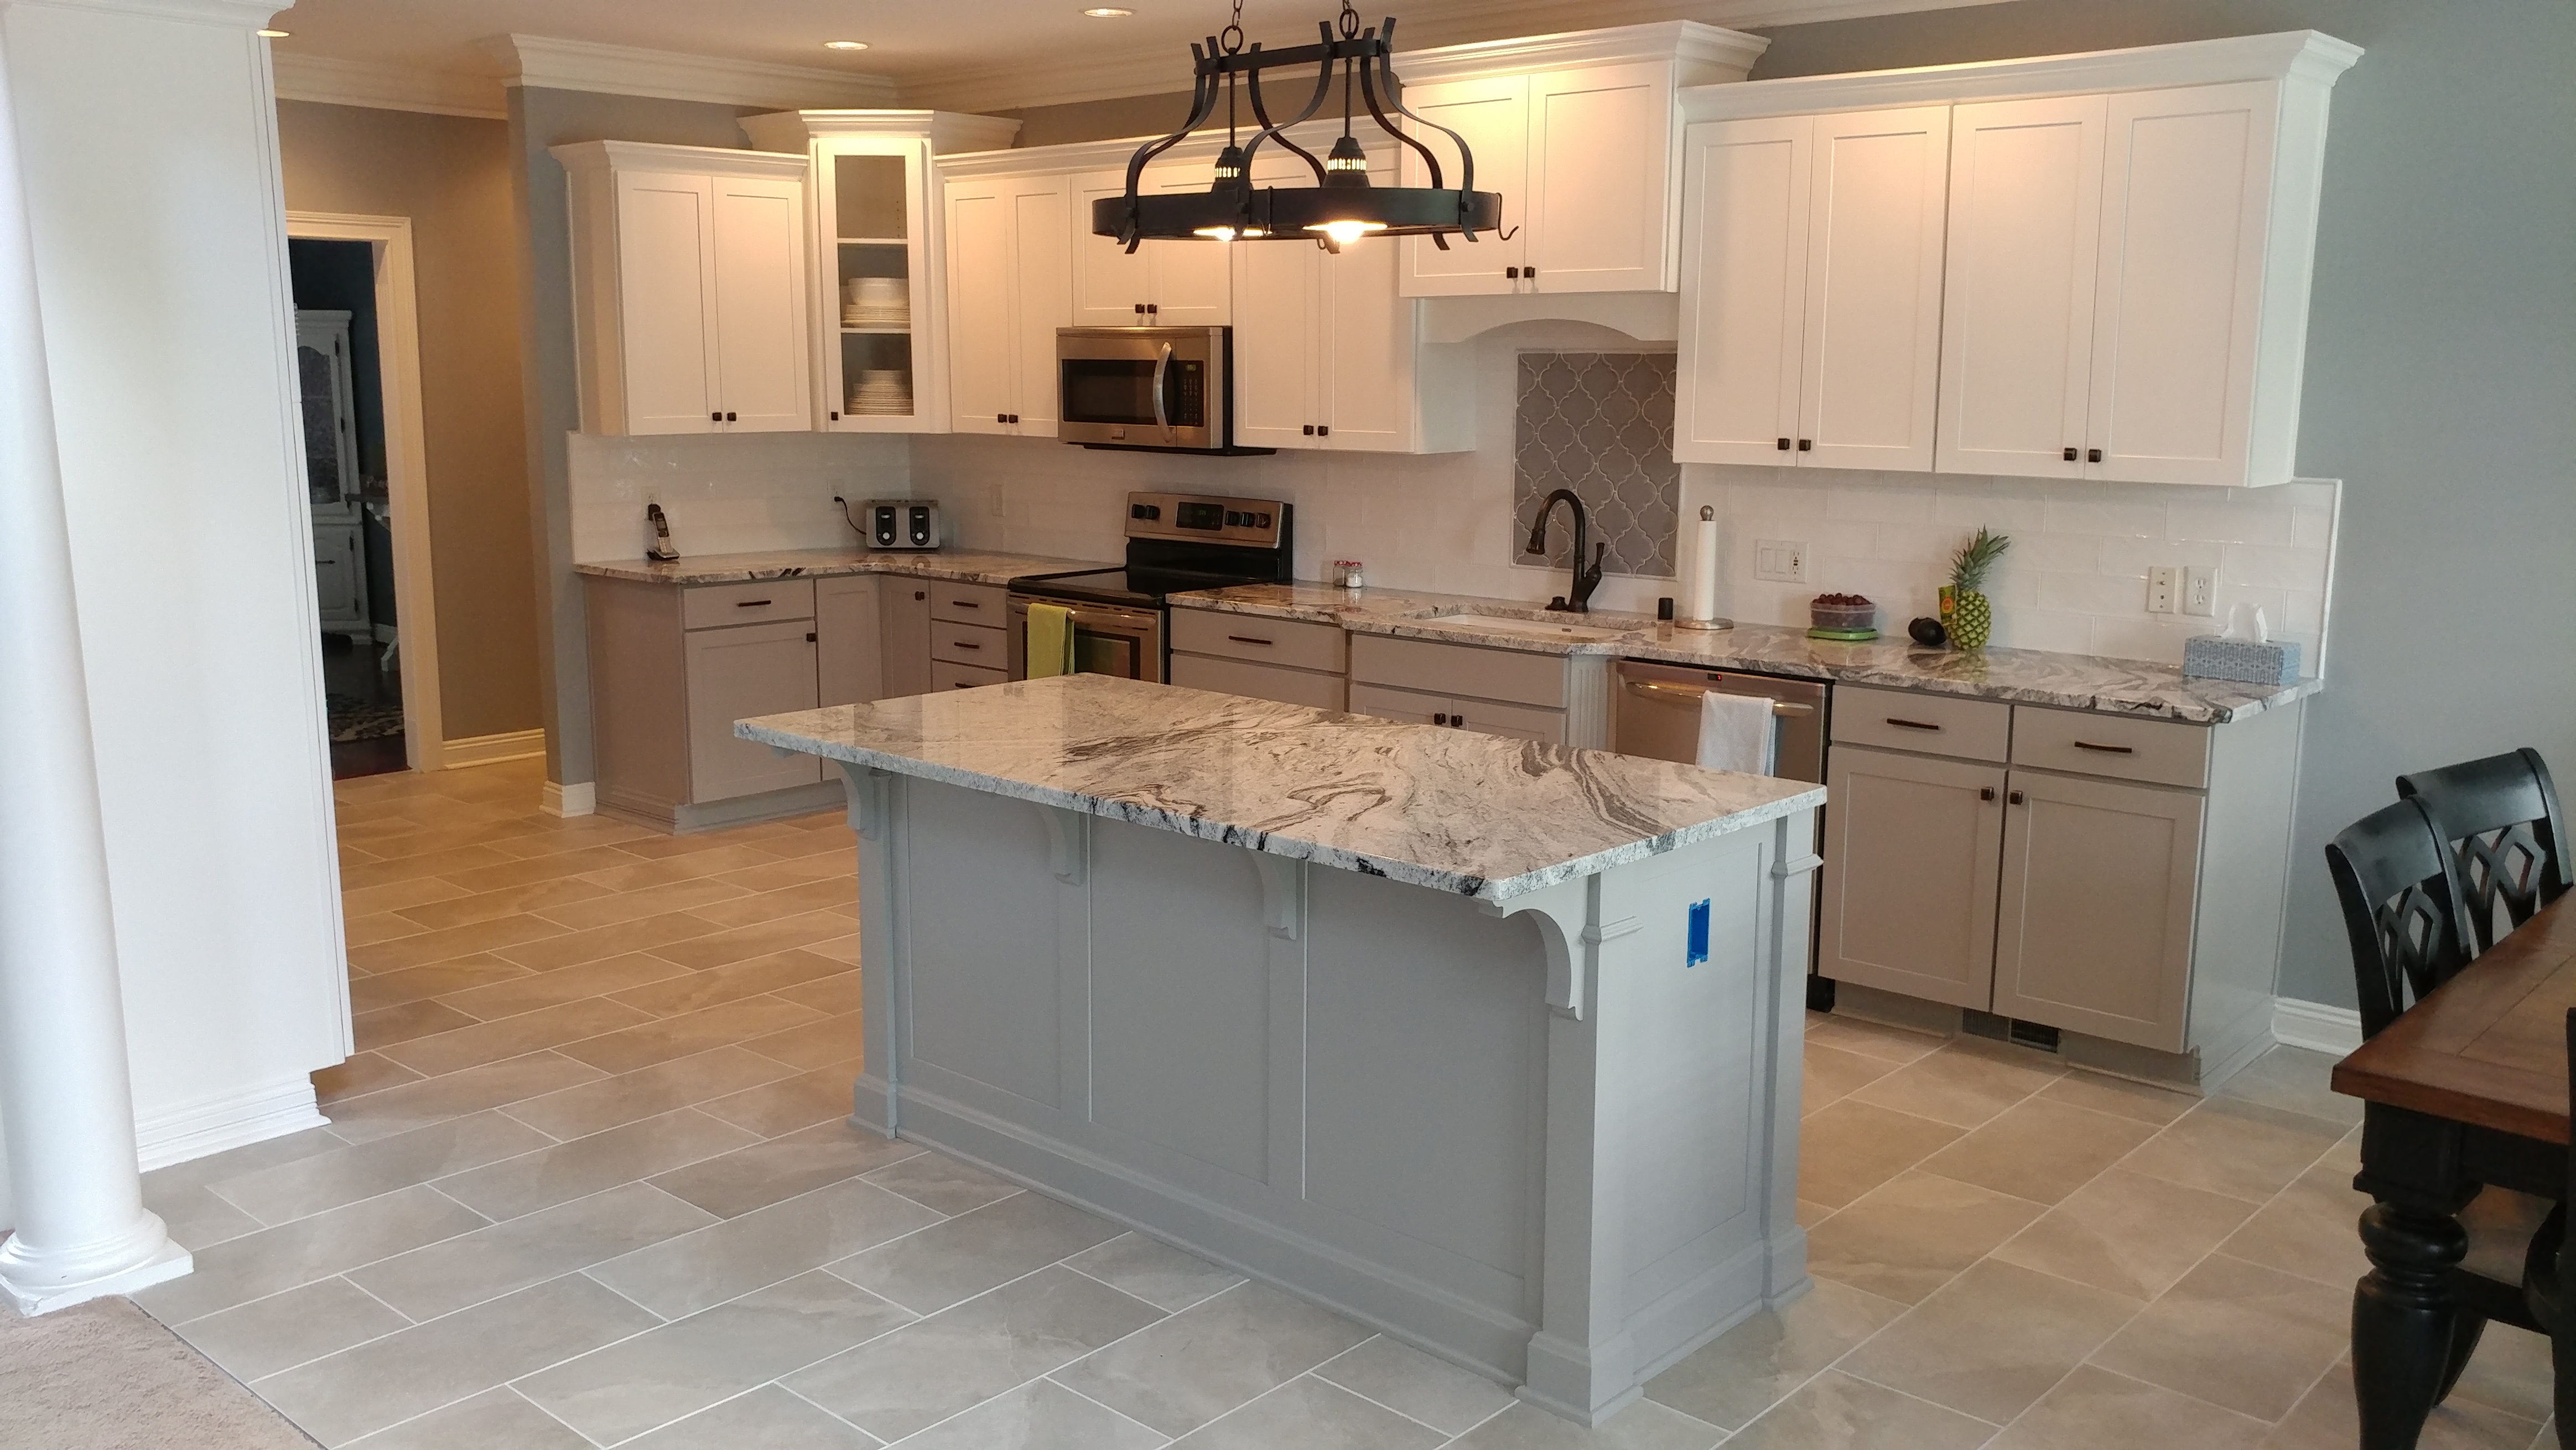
(2031, 1034)
(1820, 993)
(1984, 1024)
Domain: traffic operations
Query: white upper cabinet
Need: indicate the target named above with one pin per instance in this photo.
(1811, 306)
(879, 359)
(689, 288)
(1010, 270)
(2123, 293)
(1580, 135)
(1160, 284)
(2017, 338)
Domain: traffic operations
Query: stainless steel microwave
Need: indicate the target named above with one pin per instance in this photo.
(1146, 387)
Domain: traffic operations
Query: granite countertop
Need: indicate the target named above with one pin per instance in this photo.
(968, 566)
(2035, 677)
(1452, 810)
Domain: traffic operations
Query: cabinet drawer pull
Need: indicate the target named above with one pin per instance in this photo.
(963, 604)
(1913, 724)
(1248, 639)
(2017, 798)
(2106, 749)
(753, 603)
(961, 644)
(1985, 793)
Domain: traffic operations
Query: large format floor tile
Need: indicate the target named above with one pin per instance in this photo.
(1208, 1358)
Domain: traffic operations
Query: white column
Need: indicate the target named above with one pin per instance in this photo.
(68, 1107)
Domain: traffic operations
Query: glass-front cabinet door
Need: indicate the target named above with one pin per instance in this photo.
(876, 372)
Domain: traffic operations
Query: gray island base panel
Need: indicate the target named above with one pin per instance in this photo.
(1544, 1126)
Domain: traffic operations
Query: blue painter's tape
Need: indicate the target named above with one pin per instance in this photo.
(1698, 934)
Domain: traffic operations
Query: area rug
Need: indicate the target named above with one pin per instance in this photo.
(351, 720)
(106, 1376)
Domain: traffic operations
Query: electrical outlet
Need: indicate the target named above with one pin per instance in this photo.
(2200, 590)
(1782, 561)
(2161, 585)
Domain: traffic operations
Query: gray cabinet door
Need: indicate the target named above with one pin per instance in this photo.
(904, 615)
(2098, 885)
(758, 669)
(1911, 851)
(849, 653)
(1259, 682)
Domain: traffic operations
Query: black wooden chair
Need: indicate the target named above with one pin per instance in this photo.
(2501, 815)
(2398, 884)
(2553, 1295)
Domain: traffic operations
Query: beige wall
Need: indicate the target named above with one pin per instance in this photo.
(451, 176)
(1103, 120)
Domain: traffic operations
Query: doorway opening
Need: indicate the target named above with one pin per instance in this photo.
(357, 358)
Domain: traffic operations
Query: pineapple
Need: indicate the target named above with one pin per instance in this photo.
(1964, 607)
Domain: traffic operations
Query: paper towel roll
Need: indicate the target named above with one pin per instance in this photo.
(1703, 568)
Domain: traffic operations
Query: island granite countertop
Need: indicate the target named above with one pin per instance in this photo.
(1451, 810)
(2035, 677)
(967, 566)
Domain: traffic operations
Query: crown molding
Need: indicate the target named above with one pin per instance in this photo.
(581, 156)
(387, 88)
(2306, 56)
(230, 14)
(1703, 48)
(583, 65)
(948, 131)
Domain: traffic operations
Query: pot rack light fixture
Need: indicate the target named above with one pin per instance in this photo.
(1342, 206)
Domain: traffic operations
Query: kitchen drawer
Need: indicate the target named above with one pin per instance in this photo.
(969, 604)
(1259, 682)
(947, 676)
(970, 644)
(1488, 717)
(2159, 752)
(1288, 642)
(1426, 666)
(1932, 724)
(709, 605)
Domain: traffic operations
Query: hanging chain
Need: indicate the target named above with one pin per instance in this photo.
(1231, 38)
(1350, 21)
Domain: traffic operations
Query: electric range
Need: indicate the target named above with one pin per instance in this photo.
(1176, 543)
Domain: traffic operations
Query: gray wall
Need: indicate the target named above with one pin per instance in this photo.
(2441, 381)
(451, 176)
(538, 119)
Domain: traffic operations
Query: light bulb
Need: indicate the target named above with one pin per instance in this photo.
(1222, 234)
(1346, 232)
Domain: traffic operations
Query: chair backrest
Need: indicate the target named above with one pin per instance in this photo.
(2501, 815)
(2401, 909)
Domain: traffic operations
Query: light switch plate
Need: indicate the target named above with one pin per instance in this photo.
(1783, 561)
(2161, 587)
(2200, 591)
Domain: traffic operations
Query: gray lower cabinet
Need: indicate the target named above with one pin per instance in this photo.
(2105, 875)
(1913, 853)
(1291, 661)
(1560, 699)
(904, 614)
(1460, 712)
(851, 655)
(747, 670)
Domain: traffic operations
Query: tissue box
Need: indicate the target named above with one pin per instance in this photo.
(2264, 662)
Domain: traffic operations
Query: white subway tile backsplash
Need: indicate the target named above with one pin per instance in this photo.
(727, 493)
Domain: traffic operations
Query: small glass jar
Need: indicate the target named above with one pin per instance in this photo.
(1349, 575)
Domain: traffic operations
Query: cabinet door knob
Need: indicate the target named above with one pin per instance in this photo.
(2070, 455)
(1140, 309)
(729, 418)
(2092, 455)
(715, 417)
(920, 594)
(1001, 417)
(1459, 721)
(2017, 798)
(1784, 445)
(809, 637)
(1512, 272)
(1310, 430)
(836, 417)
(1440, 719)
(1323, 430)
(1806, 445)
(1153, 309)
(1985, 793)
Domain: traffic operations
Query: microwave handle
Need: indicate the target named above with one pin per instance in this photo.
(1162, 368)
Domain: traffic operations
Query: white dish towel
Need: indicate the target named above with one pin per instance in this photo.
(1735, 733)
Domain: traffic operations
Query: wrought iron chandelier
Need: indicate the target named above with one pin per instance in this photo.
(1342, 206)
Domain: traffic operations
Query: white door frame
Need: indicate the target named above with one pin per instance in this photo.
(406, 469)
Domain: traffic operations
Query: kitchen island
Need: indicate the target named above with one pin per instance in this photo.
(1494, 1045)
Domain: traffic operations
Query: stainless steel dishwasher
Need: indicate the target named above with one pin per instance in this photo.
(1655, 713)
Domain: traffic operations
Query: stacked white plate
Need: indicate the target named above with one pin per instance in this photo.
(881, 393)
(876, 302)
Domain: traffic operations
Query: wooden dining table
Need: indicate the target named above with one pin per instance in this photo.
(2466, 1089)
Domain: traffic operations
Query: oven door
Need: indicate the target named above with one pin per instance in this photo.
(1106, 640)
(1141, 387)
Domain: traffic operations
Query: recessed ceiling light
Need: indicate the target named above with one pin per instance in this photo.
(1107, 12)
(845, 45)
(276, 34)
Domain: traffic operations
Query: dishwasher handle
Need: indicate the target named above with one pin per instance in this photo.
(1692, 692)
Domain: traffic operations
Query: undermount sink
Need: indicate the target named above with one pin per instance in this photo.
(1540, 629)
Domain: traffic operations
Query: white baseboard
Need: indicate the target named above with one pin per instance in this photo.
(226, 1120)
(2315, 1026)
(491, 749)
(570, 800)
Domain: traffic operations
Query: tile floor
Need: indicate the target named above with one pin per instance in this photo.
(587, 1183)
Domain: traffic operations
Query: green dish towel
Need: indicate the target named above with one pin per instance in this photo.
(1050, 641)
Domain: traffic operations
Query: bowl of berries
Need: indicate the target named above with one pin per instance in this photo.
(1842, 616)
